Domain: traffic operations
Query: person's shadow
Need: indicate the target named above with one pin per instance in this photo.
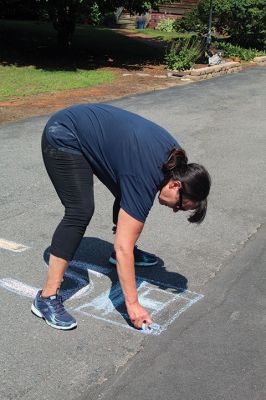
(93, 254)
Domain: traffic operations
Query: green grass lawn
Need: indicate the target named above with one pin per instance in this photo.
(160, 35)
(26, 81)
(30, 62)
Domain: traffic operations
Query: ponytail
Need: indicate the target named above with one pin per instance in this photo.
(177, 159)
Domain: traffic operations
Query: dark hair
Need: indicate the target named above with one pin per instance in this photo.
(195, 179)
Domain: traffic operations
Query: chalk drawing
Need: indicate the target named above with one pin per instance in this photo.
(79, 284)
(22, 289)
(165, 302)
(79, 288)
(164, 305)
(12, 246)
(96, 270)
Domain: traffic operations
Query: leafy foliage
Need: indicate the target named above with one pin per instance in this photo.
(190, 23)
(243, 20)
(165, 25)
(183, 53)
(230, 50)
(96, 16)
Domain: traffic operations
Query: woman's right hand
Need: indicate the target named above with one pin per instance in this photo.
(138, 315)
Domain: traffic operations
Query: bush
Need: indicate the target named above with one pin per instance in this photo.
(183, 54)
(190, 23)
(165, 25)
(230, 50)
(96, 17)
(243, 20)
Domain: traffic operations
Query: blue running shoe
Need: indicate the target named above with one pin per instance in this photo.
(142, 258)
(52, 310)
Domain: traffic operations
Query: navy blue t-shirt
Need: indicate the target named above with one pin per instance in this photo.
(126, 151)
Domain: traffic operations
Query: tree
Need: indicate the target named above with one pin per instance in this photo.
(65, 13)
(18, 9)
(237, 17)
(243, 20)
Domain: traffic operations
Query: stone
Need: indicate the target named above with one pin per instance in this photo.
(160, 76)
(141, 74)
(186, 78)
(259, 59)
(195, 72)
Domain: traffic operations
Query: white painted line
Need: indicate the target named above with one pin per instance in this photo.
(12, 246)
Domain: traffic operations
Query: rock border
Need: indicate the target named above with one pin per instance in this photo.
(208, 72)
(260, 60)
(214, 70)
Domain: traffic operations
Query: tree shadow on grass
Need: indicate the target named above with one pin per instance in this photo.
(35, 44)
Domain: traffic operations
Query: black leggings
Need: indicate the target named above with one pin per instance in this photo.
(72, 178)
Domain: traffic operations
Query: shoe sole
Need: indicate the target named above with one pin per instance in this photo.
(137, 264)
(36, 312)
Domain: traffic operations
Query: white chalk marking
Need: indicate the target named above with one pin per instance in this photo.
(22, 289)
(12, 246)
(109, 300)
(18, 287)
(97, 270)
(106, 303)
(82, 286)
(150, 303)
(153, 329)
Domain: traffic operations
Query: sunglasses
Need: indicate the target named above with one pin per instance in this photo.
(179, 204)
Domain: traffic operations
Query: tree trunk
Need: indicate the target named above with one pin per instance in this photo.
(63, 16)
(65, 31)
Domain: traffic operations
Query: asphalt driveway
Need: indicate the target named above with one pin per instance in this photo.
(221, 124)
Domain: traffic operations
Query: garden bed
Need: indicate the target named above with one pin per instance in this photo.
(201, 71)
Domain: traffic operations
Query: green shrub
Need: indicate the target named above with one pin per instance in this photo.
(165, 25)
(243, 20)
(95, 15)
(190, 23)
(182, 54)
(231, 50)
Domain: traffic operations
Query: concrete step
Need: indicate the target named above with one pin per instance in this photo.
(125, 25)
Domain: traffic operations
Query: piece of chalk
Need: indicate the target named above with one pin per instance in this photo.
(154, 329)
